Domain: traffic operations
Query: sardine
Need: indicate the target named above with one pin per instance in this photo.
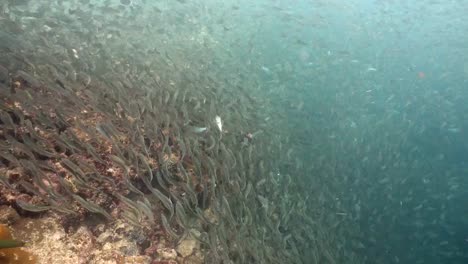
(94, 208)
(167, 227)
(194, 129)
(7, 120)
(219, 123)
(32, 207)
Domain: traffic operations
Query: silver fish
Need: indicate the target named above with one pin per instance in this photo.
(219, 123)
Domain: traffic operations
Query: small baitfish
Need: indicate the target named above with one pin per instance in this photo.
(197, 129)
(219, 123)
(265, 69)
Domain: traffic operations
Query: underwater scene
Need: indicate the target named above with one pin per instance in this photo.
(234, 131)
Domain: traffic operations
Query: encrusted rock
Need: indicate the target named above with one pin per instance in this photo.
(196, 258)
(210, 216)
(187, 246)
(83, 240)
(126, 247)
(8, 215)
(167, 253)
(137, 260)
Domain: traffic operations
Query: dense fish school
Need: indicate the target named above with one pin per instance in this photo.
(230, 132)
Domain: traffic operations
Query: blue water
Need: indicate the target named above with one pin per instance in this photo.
(383, 120)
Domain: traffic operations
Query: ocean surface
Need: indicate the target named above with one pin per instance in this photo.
(320, 131)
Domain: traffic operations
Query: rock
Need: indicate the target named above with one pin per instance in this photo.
(210, 216)
(167, 253)
(8, 215)
(104, 237)
(137, 260)
(83, 240)
(47, 240)
(125, 247)
(187, 246)
(196, 258)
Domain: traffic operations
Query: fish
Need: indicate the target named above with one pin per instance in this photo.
(10, 243)
(94, 208)
(145, 207)
(219, 123)
(181, 216)
(194, 129)
(265, 69)
(160, 196)
(32, 207)
(167, 227)
(28, 79)
(7, 120)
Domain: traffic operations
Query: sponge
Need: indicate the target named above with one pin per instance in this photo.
(10, 253)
